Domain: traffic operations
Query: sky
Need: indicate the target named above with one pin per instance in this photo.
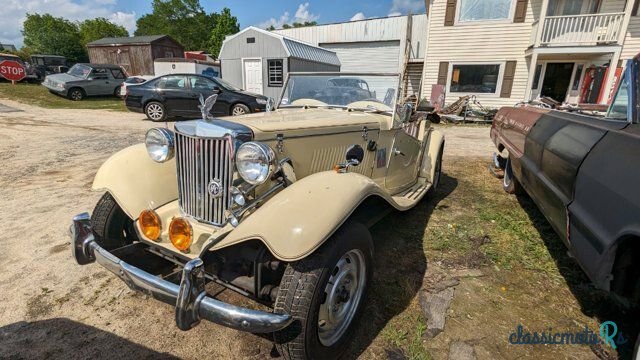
(249, 12)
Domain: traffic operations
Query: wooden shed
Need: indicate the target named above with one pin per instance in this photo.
(136, 54)
(259, 61)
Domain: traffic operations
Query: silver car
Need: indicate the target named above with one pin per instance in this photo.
(84, 80)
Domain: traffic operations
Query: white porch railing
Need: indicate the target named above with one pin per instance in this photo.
(588, 29)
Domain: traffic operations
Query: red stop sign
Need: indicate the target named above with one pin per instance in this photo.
(12, 70)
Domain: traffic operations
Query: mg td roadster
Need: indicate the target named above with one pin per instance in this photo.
(275, 206)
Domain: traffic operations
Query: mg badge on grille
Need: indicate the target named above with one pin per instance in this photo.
(215, 188)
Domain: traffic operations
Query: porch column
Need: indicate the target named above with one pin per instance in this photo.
(628, 9)
(530, 78)
(541, 20)
(611, 74)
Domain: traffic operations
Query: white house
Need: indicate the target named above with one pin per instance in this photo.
(506, 51)
(372, 45)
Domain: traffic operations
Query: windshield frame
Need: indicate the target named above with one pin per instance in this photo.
(225, 85)
(338, 75)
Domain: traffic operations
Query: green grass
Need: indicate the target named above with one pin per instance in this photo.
(36, 94)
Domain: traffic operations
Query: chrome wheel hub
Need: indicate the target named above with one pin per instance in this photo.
(155, 111)
(343, 294)
(238, 111)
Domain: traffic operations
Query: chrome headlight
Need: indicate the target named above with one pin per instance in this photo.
(262, 101)
(256, 162)
(159, 142)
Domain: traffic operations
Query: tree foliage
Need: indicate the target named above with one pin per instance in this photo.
(46, 34)
(225, 24)
(294, 25)
(98, 28)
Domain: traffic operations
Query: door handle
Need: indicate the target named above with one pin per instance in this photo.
(397, 152)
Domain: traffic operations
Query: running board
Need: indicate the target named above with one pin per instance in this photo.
(411, 196)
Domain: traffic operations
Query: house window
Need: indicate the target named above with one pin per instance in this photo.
(168, 54)
(251, 40)
(475, 78)
(480, 10)
(276, 73)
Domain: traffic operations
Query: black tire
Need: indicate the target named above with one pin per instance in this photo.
(112, 228)
(76, 94)
(155, 111)
(239, 109)
(116, 92)
(302, 293)
(438, 172)
(509, 182)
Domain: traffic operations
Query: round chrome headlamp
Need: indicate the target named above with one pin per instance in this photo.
(256, 162)
(159, 142)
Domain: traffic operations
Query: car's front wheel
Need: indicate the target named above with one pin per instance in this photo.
(111, 225)
(239, 109)
(76, 94)
(155, 111)
(324, 293)
(509, 182)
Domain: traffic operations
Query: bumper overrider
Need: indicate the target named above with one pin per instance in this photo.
(189, 297)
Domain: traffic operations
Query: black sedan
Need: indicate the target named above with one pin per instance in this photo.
(178, 95)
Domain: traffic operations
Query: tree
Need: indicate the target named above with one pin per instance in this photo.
(295, 25)
(46, 34)
(98, 28)
(184, 20)
(225, 24)
(271, 28)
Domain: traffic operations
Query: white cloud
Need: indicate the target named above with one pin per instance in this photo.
(14, 13)
(301, 15)
(358, 16)
(401, 7)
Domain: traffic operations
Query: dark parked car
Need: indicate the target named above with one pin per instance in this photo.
(581, 172)
(84, 80)
(178, 95)
(32, 73)
(49, 64)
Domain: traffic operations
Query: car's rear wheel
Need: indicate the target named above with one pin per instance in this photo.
(438, 172)
(155, 111)
(76, 94)
(116, 92)
(112, 227)
(239, 109)
(324, 293)
(509, 182)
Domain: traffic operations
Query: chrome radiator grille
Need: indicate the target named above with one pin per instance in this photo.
(198, 162)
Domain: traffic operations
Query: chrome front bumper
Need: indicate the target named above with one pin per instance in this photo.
(189, 298)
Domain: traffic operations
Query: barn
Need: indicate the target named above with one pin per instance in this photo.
(136, 54)
(259, 61)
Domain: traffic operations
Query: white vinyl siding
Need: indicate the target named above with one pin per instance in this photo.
(478, 42)
(632, 41)
(377, 56)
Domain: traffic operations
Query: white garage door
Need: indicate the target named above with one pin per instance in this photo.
(378, 56)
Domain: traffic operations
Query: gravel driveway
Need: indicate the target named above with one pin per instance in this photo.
(53, 308)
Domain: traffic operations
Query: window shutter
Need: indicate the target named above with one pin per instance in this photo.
(443, 73)
(521, 11)
(450, 14)
(507, 80)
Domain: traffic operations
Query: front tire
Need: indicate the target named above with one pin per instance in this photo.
(240, 109)
(324, 293)
(76, 94)
(112, 227)
(155, 111)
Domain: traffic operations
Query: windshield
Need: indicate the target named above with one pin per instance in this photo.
(79, 70)
(356, 91)
(226, 85)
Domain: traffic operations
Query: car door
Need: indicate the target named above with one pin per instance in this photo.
(201, 85)
(98, 82)
(174, 92)
(404, 157)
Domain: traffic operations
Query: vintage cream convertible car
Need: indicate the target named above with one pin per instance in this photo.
(275, 206)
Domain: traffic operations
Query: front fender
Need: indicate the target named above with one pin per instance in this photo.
(431, 150)
(136, 182)
(300, 218)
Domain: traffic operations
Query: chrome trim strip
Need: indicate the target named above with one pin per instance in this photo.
(189, 298)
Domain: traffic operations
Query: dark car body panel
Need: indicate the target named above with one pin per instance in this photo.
(579, 170)
(185, 102)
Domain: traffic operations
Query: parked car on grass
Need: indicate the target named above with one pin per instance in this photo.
(49, 64)
(581, 172)
(84, 80)
(31, 72)
(275, 206)
(133, 80)
(178, 95)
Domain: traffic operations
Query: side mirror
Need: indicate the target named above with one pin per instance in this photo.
(217, 90)
(404, 112)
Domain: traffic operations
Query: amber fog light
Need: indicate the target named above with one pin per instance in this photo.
(150, 224)
(180, 234)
